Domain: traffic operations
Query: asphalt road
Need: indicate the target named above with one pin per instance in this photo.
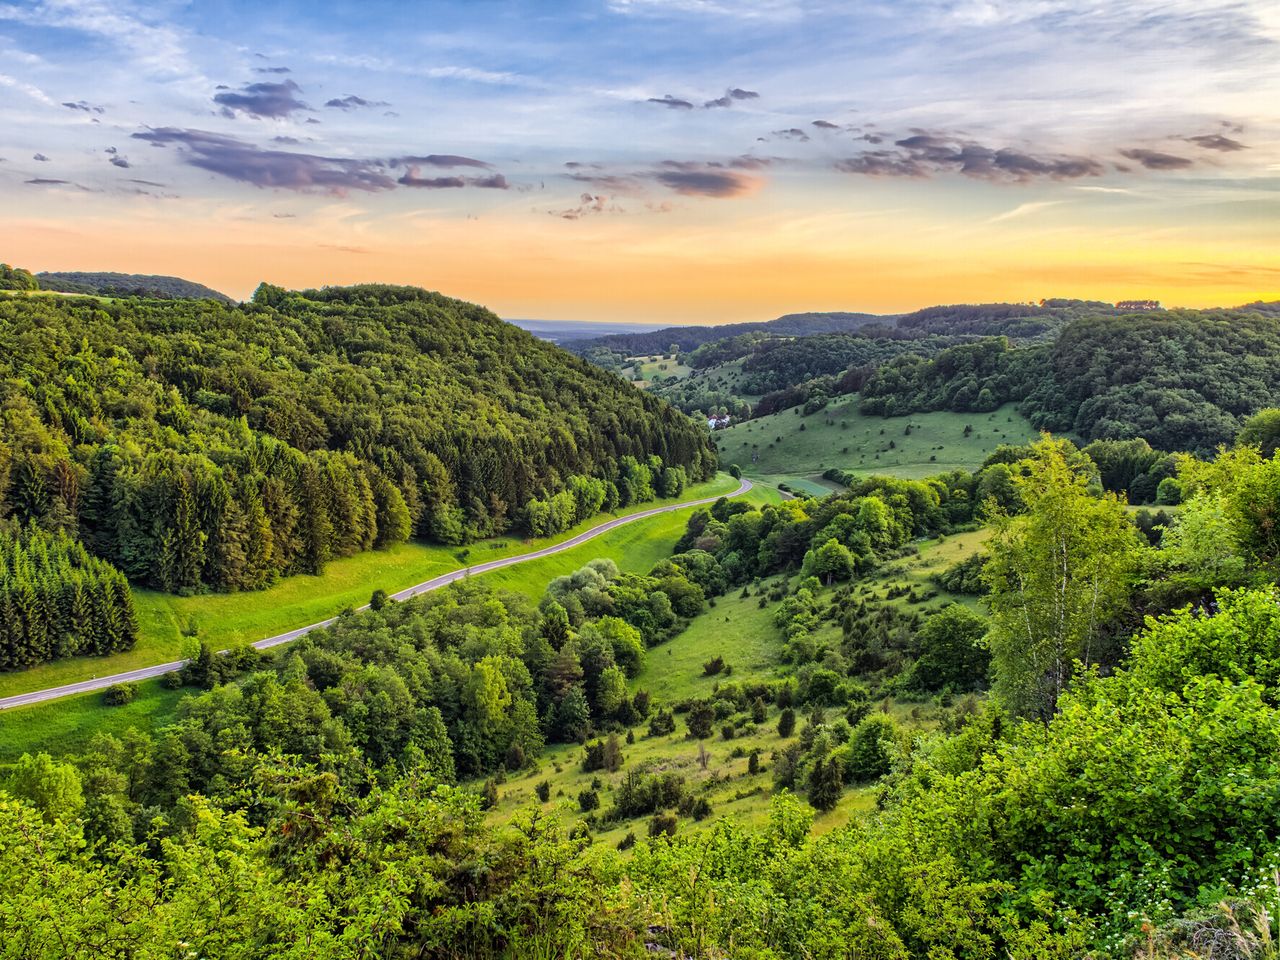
(146, 673)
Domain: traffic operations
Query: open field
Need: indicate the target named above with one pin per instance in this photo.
(788, 447)
(226, 618)
(65, 726)
(641, 370)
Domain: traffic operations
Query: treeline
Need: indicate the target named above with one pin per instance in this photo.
(127, 285)
(199, 445)
(58, 601)
(15, 278)
(1182, 380)
(689, 338)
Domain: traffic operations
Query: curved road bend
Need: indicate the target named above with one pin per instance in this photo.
(147, 673)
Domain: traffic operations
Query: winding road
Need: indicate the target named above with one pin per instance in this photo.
(147, 673)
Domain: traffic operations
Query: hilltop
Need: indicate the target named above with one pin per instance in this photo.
(127, 285)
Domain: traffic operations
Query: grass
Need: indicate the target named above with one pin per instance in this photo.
(641, 370)
(64, 726)
(840, 436)
(226, 618)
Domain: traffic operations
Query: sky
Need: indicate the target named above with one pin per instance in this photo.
(673, 161)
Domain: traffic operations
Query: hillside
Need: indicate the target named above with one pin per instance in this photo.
(127, 285)
(199, 446)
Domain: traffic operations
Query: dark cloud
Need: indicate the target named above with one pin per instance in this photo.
(352, 102)
(46, 182)
(925, 154)
(826, 125)
(707, 182)
(793, 133)
(1155, 160)
(730, 95)
(390, 113)
(882, 163)
(446, 160)
(265, 99)
(83, 106)
(145, 183)
(272, 70)
(1216, 141)
(248, 163)
(311, 120)
(751, 163)
(40, 158)
(411, 179)
(287, 141)
(284, 216)
(121, 162)
(670, 101)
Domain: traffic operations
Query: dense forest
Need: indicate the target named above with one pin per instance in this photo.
(1112, 798)
(195, 445)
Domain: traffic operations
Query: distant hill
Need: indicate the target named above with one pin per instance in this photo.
(690, 338)
(567, 331)
(128, 285)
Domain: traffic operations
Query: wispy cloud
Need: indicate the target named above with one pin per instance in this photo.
(1026, 210)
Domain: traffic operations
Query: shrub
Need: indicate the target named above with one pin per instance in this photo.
(120, 693)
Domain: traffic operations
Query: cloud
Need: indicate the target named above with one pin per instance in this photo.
(673, 102)
(445, 160)
(588, 204)
(82, 106)
(121, 162)
(412, 178)
(614, 183)
(34, 92)
(1155, 160)
(237, 160)
(925, 154)
(731, 95)
(1025, 209)
(145, 183)
(708, 182)
(826, 125)
(287, 141)
(264, 100)
(40, 158)
(793, 133)
(1216, 141)
(46, 182)
(352, 102)
(272, 70)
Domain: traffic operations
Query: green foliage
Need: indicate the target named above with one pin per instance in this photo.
(128, 285)
(952, 652)
(58, 601)
(195, 444)
(1057, 575)
(1262, 430)
(15, 278)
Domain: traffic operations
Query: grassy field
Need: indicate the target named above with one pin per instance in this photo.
(65, 726)
(790, 447)
(641, 370)
(226, 618)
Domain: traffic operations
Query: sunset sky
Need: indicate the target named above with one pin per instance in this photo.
(656, 160)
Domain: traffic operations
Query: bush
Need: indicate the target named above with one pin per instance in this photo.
(588, 800)
(663, 824)
(119, 694)
(543, 791)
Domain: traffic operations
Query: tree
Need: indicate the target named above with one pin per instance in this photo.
(952, 653)
(52, 788)
(826, 783)
(1057, 574)
(701, 717)
(1262, 430)
(786, 723)
(870, 749)
(830, 562)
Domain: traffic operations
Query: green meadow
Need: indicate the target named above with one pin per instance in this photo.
(794, 449)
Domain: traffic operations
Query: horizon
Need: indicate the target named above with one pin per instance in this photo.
(669, 162)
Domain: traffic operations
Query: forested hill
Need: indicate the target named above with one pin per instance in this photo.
(690, 338)
(195, 444)
(127, 285)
